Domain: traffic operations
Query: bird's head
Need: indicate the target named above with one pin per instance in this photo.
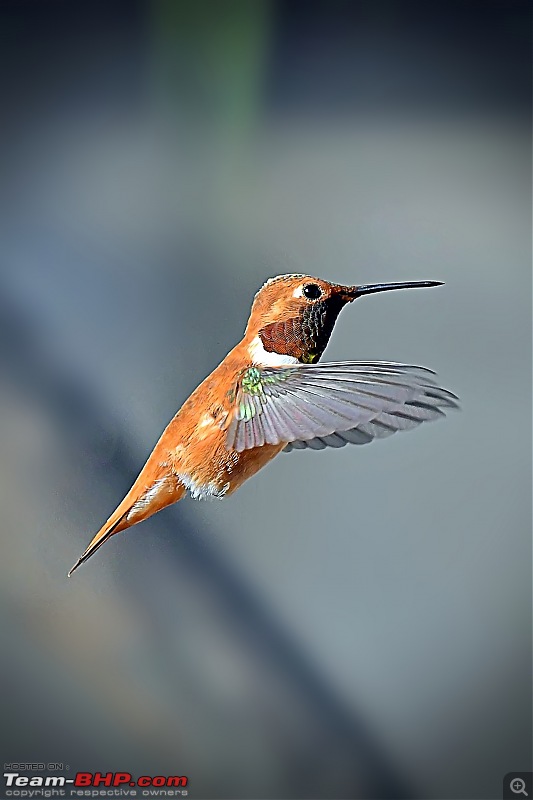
(293, 316)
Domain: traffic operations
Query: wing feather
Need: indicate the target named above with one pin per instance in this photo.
(331, 405)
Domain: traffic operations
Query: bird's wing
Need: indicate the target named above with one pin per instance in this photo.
(331, 404)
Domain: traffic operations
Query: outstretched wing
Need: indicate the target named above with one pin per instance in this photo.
(331, 404)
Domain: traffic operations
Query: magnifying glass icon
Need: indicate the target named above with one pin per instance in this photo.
(518, 786)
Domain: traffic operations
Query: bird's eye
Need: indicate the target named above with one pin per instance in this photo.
(311, 291)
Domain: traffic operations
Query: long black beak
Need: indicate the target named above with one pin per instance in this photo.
(371, 288)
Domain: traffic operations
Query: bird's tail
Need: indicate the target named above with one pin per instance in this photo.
(113, 525)
(140, 502)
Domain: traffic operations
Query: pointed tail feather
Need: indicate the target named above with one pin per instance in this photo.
(136, 506)
(101, 538)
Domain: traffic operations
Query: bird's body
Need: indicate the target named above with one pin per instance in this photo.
(269, 394)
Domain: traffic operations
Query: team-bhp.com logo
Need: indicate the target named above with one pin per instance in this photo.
(125, 778)
(94, 784)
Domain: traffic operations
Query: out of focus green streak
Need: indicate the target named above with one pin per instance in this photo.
(207, 73)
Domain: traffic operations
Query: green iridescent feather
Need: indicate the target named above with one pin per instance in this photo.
(253, 383)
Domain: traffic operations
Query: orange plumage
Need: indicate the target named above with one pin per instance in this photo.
(263, 396)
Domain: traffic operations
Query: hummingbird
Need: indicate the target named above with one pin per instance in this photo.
(271, 394)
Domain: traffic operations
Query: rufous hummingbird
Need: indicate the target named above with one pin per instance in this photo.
(269, 394)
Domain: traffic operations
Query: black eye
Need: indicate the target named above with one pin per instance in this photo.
(311, 291)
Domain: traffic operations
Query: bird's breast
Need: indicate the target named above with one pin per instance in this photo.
(195, 440)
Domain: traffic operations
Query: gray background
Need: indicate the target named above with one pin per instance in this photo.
(352, 623)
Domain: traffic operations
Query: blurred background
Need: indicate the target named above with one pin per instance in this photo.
(351, 624)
